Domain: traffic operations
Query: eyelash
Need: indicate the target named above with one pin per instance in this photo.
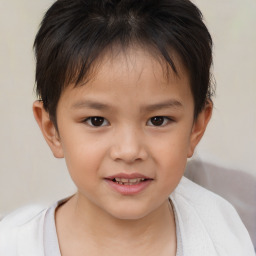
(105, 121)
(89, 121)
(166, 121)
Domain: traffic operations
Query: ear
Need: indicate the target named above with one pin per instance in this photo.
(48, 129)
(199, 127)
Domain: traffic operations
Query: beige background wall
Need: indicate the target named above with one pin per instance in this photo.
(28, 171)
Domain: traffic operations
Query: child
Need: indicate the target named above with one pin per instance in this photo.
(125, 97)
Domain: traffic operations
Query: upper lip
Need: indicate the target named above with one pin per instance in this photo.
(128, 176)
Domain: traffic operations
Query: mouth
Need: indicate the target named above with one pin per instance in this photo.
(129, 184)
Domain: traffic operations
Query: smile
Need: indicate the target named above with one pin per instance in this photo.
(130, 182)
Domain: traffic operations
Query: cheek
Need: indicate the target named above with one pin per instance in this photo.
(171, 158)
(83, 156)
(172, 162)
(172, 148)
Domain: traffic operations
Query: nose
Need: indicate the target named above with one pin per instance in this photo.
(128, 146)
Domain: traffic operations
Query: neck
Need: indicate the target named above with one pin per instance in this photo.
(104, 230)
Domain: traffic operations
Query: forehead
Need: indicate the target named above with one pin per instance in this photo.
(134, 73)
(135, 59)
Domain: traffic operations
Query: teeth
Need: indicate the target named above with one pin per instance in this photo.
(123, 181)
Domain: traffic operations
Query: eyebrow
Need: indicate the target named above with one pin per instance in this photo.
(162, 105)
(90, 104)
(147, 108)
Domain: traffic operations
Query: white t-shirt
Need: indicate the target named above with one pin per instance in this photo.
(206, 224)
(51, 246)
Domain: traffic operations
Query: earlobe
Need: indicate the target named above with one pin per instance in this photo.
(48, 129)
(199, 127)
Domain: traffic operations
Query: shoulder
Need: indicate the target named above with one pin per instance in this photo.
(201, 199)
(208, 222)
(23, 227)
(20, 216)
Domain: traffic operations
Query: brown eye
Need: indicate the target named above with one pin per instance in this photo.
(158, 121)
(96, 121)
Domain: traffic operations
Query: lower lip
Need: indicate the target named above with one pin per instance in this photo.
(129, 189)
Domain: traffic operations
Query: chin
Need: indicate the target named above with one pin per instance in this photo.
(129, 213)
(126, 216)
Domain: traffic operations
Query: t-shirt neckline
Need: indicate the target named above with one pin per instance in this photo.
(51, 243)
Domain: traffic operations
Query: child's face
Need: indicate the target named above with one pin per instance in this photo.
(127, 141)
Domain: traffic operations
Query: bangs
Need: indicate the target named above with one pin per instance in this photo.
(76, 34)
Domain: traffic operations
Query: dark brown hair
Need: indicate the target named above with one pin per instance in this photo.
(75, 33)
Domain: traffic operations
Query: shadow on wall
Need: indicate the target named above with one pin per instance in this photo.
(237, 187)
